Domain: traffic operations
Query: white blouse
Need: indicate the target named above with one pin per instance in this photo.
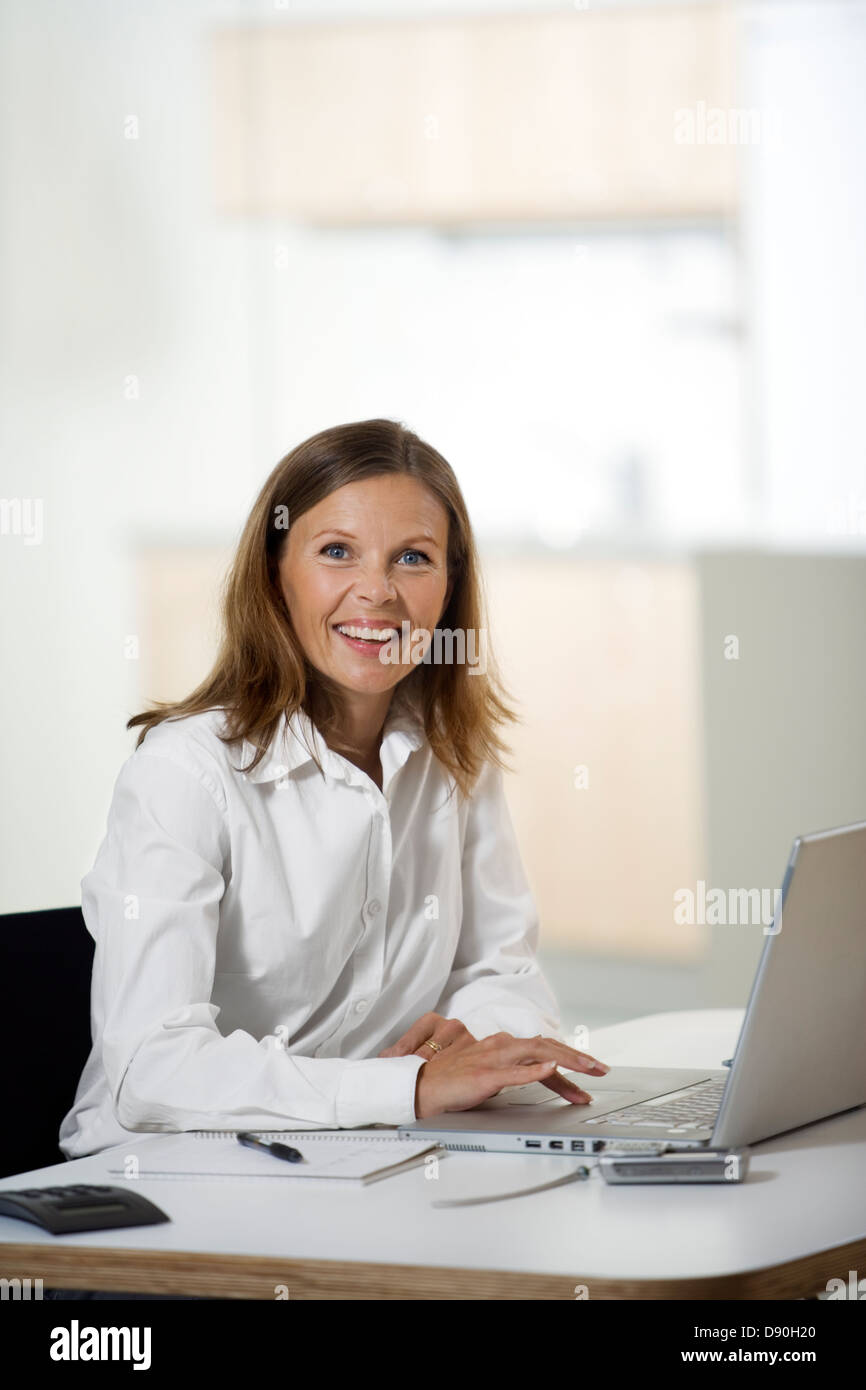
(261, 938)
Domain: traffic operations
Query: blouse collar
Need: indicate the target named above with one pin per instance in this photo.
(297, 738)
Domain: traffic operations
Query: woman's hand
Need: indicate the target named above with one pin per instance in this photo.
(467, 1072)
(447, 1032)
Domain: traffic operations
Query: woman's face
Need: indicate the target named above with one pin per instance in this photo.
(370, 555)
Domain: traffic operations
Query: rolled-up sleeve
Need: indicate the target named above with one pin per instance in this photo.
(496, 984)
(152, 904)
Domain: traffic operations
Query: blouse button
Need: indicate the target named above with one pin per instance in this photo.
(360, 1006)
(373, 907)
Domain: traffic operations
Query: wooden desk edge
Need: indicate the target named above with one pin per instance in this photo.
(257, 1277)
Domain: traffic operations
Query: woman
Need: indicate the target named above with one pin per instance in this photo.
(309, 907)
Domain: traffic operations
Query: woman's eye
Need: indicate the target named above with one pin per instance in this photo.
(336, 545)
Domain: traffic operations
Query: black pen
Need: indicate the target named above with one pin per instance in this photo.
(278, 1150)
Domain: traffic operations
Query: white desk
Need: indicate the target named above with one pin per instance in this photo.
(798, 1220)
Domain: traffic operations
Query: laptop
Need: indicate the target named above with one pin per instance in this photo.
(800, 1056)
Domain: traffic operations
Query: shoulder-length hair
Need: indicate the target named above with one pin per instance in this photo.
(261, 674)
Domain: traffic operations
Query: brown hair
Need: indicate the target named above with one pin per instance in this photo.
(261, 673)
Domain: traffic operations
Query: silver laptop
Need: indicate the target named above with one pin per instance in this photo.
(800, 1056)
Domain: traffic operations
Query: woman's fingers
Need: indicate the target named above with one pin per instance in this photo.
(569, 1090)
(561, 1085)
(530, 1071)
(447, 1032)
(539, 1049)
(521, 1054)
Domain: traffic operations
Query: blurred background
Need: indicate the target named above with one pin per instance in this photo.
(608, 258)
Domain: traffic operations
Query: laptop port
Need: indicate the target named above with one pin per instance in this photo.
(555, 1144)
(533, 1143)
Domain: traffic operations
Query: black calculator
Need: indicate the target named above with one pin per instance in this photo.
(80, 1207)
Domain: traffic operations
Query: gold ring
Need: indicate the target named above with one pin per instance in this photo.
(430, 1043)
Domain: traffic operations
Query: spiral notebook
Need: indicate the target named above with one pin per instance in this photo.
(349, 1155)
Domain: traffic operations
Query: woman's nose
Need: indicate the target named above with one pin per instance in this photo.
(375, 584)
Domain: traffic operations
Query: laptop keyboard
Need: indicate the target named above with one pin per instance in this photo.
(695, 1108)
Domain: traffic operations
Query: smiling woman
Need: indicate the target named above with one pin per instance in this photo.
(335, 929)
(362, 524)
(345, 608)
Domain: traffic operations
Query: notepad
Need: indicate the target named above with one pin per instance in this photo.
(362, 1156)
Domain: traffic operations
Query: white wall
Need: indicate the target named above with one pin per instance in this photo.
(112, 266)
(804, 235)
(784, 739)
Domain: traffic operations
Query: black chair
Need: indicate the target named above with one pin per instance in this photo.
(47, 959)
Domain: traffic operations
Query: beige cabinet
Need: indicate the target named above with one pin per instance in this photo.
(606, 796)
(518, 118)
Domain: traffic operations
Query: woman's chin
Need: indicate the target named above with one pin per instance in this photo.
(366, 682)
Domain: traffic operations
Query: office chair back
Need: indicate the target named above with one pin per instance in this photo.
(45, 1010)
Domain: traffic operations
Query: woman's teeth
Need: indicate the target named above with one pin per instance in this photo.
(367, 634)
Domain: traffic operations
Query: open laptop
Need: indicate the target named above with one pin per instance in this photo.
(801, 1053)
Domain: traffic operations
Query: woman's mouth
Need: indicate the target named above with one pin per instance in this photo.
(369, 640)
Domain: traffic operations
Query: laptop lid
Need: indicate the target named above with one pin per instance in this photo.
(801, 1054)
